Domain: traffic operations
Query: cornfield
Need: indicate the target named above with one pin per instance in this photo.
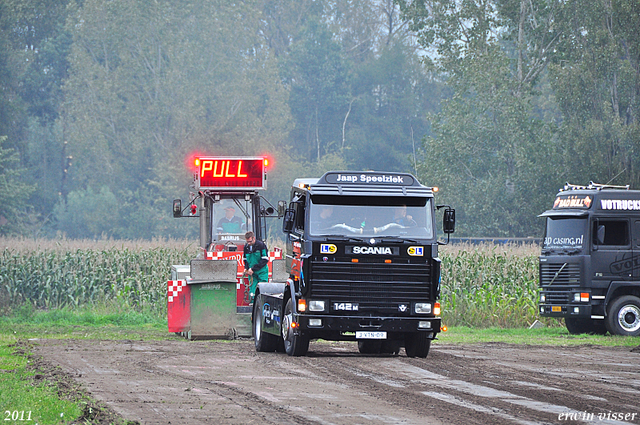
(489, 285)
(482, 286)
(57, 274)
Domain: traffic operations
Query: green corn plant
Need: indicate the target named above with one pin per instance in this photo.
(57, 277)
(490, 285)
(482, 286)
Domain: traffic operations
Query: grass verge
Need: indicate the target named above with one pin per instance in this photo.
(103, 322)
(26, 396)
(36, 392)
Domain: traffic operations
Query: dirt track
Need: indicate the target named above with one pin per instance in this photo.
(183, 382)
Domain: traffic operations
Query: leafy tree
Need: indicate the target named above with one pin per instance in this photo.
(88, 213)
(489, 155)
(177, 79)
(283, 20)
(35, 30)
(150, 83)
(13, 192)
(357, 66)
(596, 79)
(489, 151)
(12, 107)
(316, 73)
(392, 95)
(35, 45)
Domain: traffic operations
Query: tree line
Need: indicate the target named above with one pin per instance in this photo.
(496, 102)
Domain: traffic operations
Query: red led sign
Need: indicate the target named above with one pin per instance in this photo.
(231, 173)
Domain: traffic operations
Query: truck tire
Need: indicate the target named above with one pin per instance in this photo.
(417, 345)
(623, 316)
(264, 342)
(585, 326)
(294, 345)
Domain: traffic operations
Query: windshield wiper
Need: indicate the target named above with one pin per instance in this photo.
(342, 237)
(397, 239)
(558, 273)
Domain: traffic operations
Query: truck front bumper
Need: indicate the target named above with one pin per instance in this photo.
(344, 328)
(565, 310)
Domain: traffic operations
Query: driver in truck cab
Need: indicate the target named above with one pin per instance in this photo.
(230, 223)
(401, 217)
(325, 220)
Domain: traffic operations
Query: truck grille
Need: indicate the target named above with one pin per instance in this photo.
(560, 274)
(562, 296)
(378, 287)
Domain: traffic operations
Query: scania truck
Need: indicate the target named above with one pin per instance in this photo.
(363, 265)
(590, 260)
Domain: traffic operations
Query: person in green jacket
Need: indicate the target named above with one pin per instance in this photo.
(256, 260)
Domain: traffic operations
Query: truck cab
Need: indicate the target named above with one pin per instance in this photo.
(590, 259)
(362, 258)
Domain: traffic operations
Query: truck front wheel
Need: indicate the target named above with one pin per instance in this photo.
(624, 316)
(264, 342)
(294, 345)
(417, 344)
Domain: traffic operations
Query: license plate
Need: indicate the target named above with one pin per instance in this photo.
(556, 308)
(371, 335)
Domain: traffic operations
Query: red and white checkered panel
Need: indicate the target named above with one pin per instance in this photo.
(178, 306)
(174, 289)
(276, 254)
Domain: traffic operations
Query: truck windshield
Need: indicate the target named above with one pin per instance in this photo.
(371, 216)
(565, 233)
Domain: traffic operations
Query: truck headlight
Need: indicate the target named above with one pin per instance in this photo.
(424, 324)
(316, 323)
(422, 308)
(316, 305)
(543, 298)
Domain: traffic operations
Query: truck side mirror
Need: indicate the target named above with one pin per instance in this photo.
(449, 221)
(177, 208)
(289, 220)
